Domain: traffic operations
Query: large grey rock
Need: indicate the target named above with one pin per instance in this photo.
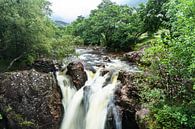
(126, 101)
(127, 98)
(30, 100)
(76, 71)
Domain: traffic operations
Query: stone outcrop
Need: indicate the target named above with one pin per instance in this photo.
(45, 65)
(126, 101)
(29, 100)
(134, 56)
(76, 71)
(127, 98)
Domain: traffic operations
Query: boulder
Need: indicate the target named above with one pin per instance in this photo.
(126, 101)
(46, 65)
(76, 71)
(30, 100)
(134, 56)
(106, 59)
(127, 98)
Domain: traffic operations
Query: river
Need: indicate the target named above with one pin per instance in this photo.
(87, 108)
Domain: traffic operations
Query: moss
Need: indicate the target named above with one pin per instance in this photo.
(27, 123)
(19, 119)
(1, 117)
(8, 109)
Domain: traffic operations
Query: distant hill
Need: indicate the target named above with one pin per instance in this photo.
(59, 20)
(135, 3)
(61, 23)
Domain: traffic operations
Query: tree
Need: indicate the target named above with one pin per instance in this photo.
(27, 33)
(171, 92)
(152, 14)
(111, 25)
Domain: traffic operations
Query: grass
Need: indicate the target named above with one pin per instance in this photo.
(145, 40)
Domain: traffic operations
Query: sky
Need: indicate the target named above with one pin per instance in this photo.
(68, 10)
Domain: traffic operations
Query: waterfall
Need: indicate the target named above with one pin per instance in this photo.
(87, 108)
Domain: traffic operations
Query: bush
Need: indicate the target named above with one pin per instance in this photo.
(27, 34)
(173, 68)
(114, 26)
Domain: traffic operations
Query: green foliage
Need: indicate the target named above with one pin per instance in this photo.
(65, 46)
(26, 33)
(170, 117)
(23, 27)
(27, 123)
(114, 26)
(152, 15)
(173, 68)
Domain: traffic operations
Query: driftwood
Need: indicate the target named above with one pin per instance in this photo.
(13, 61)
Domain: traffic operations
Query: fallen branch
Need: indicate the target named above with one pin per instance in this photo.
(14, 60)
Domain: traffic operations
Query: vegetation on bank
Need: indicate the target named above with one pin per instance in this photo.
(27, 34)
(169, 89)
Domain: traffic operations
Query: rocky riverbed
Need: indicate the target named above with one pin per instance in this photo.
(32, 100)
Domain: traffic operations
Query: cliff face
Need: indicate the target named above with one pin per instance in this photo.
(127, 102)
(29, 100)
(127, 99)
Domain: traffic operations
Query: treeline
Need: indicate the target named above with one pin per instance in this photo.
(27, 33)
(118, 27)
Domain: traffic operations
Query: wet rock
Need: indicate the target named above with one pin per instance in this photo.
(106, 59)
(46, 65)
(30, 100)
(90, 68)
(127, 100)
(76, 71)
(112, 122)
(134, 56)
(100, 65)
(104, 72)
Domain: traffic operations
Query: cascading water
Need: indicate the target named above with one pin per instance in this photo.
(87, 108)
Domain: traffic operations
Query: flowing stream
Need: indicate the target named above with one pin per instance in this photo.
(87, 107)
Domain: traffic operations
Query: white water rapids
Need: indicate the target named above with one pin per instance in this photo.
(87, 108)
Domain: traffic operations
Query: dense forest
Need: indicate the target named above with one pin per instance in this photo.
(166, 28)
(27, 33)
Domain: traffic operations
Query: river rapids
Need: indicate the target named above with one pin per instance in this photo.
(87, 108)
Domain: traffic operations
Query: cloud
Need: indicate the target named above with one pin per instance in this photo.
(68, 10)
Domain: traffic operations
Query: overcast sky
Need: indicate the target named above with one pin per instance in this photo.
(68, 10)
